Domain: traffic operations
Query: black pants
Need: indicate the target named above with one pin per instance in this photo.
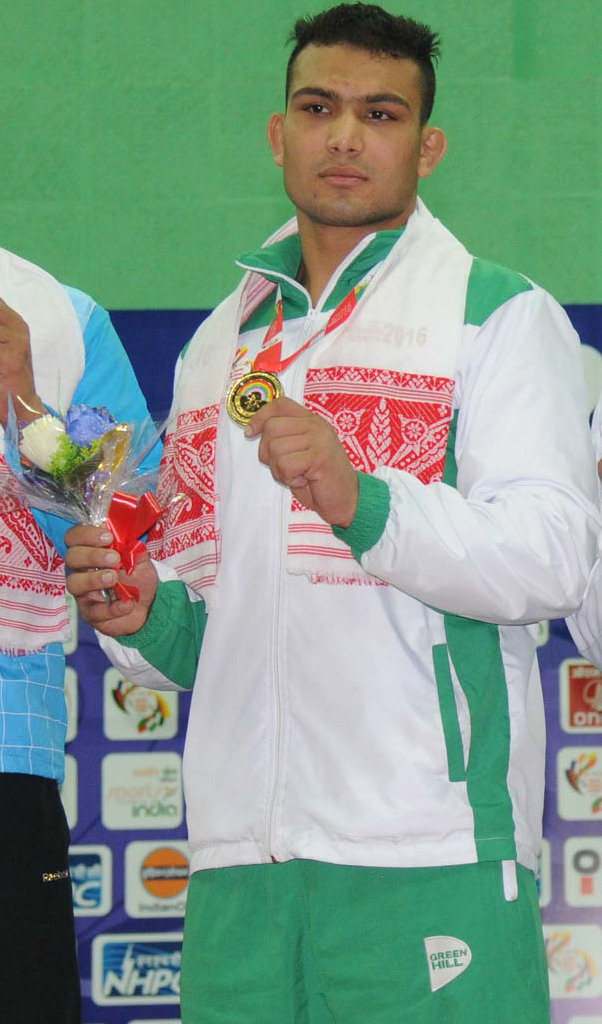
(39, 978)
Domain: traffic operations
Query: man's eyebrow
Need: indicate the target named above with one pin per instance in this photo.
(311, 90)
(327, 94)
(387, 97)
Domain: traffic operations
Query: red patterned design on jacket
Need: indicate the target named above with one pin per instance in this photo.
(186, 485)
(30, 562)
(386, 418)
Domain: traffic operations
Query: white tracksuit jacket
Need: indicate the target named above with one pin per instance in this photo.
(586, 624)
(395, 725)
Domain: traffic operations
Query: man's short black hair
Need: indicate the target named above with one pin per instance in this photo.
(369, 27)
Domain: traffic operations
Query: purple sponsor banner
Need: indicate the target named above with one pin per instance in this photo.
(123, 790)
(572, 860)
(128, 852)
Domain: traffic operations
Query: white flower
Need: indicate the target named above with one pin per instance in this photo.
(39, 440)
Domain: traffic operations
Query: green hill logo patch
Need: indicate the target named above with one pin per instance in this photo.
(447, 958)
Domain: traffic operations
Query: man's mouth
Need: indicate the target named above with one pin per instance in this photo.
(342, 175)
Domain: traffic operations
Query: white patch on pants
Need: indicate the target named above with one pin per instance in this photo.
(447, 958)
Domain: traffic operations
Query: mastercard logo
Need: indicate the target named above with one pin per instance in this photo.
(164, 872)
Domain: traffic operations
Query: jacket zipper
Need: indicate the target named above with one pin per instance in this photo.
(297, 371)
(271, 839)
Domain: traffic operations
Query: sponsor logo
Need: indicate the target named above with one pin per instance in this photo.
(132, 712)
(580, 696)
(70, 645)
(55, 876)
(579, 783)
(447, 958)
(69, 790)
(142, 791)
(574, 960)
(72, 703)
(544, 874)
(139, 969)
(156, 879)
(91, 880)
(583, 871)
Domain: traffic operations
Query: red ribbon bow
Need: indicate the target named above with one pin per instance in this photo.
(128, 519)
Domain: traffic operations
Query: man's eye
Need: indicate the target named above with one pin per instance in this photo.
(316, 108)
(379, 115)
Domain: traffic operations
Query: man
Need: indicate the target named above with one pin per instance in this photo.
(364, 762)
(56, 347)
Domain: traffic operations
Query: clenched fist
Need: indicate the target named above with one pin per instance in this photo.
(303, 452)
(16, 369)
(94, 566)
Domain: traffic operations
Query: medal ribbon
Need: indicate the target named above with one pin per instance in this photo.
(270, 358)
(129, 517)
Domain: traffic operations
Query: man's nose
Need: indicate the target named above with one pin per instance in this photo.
(345, 134)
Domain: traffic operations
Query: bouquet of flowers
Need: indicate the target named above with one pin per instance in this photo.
(86, 468)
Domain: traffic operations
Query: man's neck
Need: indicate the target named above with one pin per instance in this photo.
(323, 249)
(322, 252)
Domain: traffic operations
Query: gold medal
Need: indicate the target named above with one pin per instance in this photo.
(250, 393)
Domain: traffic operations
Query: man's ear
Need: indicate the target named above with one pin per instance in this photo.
(433, 148)
(275, 135)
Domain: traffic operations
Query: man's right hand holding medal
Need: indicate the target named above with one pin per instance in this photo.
(304, 453)
(94, 568)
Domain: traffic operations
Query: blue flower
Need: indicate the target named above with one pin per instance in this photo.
(85, 424)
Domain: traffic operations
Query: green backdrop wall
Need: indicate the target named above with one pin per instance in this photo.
(133, 161)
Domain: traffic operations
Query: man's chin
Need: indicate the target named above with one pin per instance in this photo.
(375, 220)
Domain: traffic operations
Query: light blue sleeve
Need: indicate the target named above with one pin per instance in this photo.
(108, 380)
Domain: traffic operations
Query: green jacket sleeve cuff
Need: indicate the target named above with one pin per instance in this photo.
(368, 526)
(172, 636)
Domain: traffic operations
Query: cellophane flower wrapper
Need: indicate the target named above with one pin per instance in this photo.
(72, 466)
(85, 467)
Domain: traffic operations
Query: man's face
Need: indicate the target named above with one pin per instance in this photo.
(351, 143)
